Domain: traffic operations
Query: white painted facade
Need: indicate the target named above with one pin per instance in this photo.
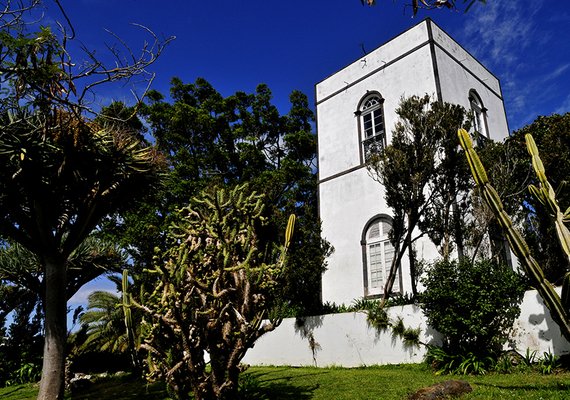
(346, 339)
(423, 59)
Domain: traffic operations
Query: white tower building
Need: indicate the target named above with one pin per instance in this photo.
(356, 111)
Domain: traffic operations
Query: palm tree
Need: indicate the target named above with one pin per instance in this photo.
(105, 323)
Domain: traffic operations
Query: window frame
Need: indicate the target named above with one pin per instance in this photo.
(377, 137)
(479, 111)
(382, 240)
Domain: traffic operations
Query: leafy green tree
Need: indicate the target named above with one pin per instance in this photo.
(218, 277)
(215, 140)
(473, 305)
(59, 173)
(425, 180)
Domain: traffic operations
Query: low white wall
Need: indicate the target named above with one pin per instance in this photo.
(347, 340)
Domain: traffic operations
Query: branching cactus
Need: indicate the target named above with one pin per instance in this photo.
(217, 281)
(559, 306)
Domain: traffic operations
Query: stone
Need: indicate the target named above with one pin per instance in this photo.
(442, 390)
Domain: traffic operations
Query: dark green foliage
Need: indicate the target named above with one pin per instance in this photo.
(212, 140)
(545, 194)
(473, 305)
(552, 137)
(378, 319)
(510, 172)
(443, 362)
(61, 174)
(21, 343)
(425, 179)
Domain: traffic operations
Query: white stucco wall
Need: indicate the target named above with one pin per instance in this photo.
(347, 340)
(460, 72)
(343, 340)
(380, 57)
(338, 133)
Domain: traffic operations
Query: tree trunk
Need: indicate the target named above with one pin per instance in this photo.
(457, 225)
(413, 270)
(399, 254)
(55, 325)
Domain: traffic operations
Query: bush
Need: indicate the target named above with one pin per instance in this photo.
(473, 305)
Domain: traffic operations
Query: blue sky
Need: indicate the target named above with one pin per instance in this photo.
(294, 44)
(237, 44)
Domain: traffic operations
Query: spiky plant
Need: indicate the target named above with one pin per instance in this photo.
(216, 283)
(559, 306)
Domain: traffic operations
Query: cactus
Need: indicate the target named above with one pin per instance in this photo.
(545, 194)
(126, 304)
(218, 282)
(559, 307)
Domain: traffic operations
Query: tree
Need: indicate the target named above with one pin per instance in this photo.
(59, 173)
(473, 305)
(552, 137)
(72, 175)
(110, 325)
(425, 182)
(21, 343)
(242, 138)
(433, 4)
(218, 276)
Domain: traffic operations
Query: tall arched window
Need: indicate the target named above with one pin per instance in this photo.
(479, 114)
(372, 127)
(378, 254)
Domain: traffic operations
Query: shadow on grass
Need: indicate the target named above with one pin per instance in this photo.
(12, 391)
(123, 388)
(271, 386)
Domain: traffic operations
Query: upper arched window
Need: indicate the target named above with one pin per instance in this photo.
(379, 254)
(479, 114)
(372, 127)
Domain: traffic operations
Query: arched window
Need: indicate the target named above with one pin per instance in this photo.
(479, 114)
(378, 254)
(372, 127)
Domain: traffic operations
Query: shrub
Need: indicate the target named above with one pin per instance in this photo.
(473, 305)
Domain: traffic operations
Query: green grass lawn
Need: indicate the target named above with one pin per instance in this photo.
(383, 382)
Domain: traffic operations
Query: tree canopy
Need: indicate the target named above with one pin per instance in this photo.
(424, 178)
(212, 140)
(60, 174)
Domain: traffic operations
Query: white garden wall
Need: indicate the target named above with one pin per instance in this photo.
(347, 340)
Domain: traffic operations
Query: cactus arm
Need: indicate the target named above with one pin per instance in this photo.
(558, 309)
(566, 292)
(546, 195)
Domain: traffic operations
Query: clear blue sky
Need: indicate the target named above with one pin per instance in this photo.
(237, 44)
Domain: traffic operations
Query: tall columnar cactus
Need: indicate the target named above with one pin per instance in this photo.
(559, 306)
(126, 304)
